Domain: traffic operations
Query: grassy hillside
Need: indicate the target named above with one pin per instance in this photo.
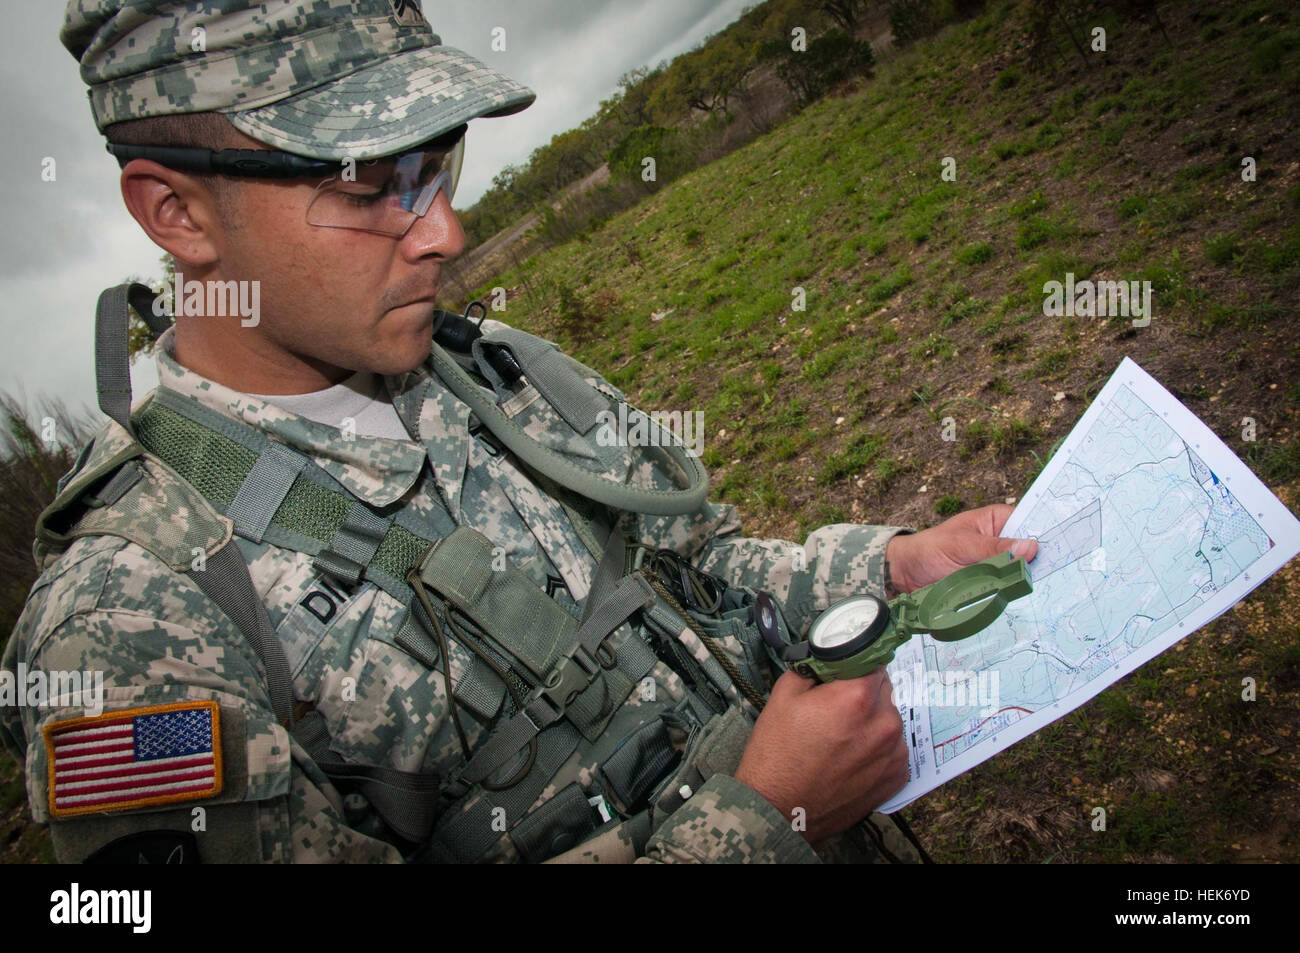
(924, 301)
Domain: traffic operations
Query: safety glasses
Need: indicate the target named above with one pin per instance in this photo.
(384, 196)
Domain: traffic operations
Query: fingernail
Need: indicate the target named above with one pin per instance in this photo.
(1022, 548)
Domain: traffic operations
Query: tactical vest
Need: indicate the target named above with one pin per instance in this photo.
(541, 680)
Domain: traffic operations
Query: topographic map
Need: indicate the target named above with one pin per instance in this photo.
(1148, 527)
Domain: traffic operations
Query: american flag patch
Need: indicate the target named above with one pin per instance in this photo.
(134, 758)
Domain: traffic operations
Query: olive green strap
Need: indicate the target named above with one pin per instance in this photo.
(570, 677)
(230, 464)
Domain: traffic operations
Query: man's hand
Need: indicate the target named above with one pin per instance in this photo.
(836, 750)
(918, 559)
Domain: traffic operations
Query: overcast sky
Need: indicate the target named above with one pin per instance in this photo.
(65, 241)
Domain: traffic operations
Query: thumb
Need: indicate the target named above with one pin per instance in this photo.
(1026, 549)
(790, 685)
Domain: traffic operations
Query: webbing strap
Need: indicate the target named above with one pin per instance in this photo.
(353, 546)
(264, 489)
(480, 689)
(415, 641)
(225, 580)
(407, 801)
(127, 476)
(112, 354)
(220, 456)
(608, 571)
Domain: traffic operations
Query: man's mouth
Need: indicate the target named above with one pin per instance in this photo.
(425, 299)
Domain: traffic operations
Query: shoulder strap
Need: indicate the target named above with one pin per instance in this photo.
(112, 360)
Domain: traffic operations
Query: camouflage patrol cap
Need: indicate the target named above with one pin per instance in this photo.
(321, 78)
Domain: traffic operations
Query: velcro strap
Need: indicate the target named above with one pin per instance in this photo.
(264, 489)
(354, 545)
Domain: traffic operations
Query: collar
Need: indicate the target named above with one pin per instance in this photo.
(375, 469)
(441, 421)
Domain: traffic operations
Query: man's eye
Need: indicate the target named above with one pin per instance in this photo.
(361, 198)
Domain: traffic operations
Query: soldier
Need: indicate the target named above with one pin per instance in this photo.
(361, 581)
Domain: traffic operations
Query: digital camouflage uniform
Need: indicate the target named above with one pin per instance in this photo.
(108, 604)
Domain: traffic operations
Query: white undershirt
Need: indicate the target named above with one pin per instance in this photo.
(362, 398)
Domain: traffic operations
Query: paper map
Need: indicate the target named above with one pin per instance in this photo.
(1148, 526)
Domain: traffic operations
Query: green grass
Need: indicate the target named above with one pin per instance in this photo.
(975, 254)
(1038, 231)
(1222, 249)
(856, 457)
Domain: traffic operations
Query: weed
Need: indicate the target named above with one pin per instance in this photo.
(975, 254)
(948, 505)
(855, 457)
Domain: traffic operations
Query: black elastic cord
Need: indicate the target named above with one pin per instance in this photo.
(902, 825)
(254, 163)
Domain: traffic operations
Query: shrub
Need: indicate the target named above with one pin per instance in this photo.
(30, 468)
(1222, 249)
(1007, 78)
(666, 146)
(831, 58)
(912, 20)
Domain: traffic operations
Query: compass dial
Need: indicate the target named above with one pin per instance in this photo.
(848, 626)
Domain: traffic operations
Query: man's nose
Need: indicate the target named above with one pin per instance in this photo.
(437, 233)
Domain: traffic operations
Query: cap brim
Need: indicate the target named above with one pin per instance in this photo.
(386, 108)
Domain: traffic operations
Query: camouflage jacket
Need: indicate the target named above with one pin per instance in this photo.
(106, 604)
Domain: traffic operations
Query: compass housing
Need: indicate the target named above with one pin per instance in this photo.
(830, 641)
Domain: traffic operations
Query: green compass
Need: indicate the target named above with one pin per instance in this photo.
(860, 634)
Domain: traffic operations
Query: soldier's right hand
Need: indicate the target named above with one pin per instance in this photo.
(836, 750)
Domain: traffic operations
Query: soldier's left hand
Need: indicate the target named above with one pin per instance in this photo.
(918, 559)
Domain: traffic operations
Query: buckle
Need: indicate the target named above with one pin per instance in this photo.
(568, 678)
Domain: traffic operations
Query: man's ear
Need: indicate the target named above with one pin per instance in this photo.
(176, 211)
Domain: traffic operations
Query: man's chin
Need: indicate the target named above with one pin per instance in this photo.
(402, 355)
